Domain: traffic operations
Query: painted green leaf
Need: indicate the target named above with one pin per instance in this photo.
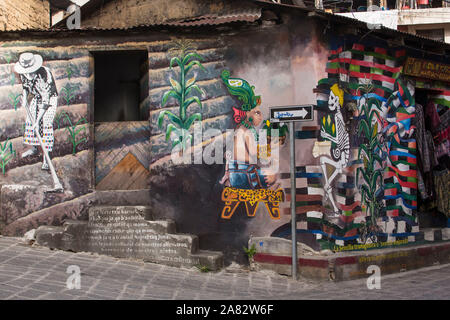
(373, 181)
(173, 118)
(378, 159)
(168, 94)
(190, 56)
(186, 137)
(191, 100)
(80, 141)
(194, 87)
(191, 119)
(175, 60)
(363, 148)
(70, 131)
(363, 126)
(79, 130)
(170, 128)
(365, 189)
(194, 63)
(175, 143)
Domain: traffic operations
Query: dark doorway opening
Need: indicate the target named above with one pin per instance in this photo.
(428, 212)
(119, 89)
(121, 128)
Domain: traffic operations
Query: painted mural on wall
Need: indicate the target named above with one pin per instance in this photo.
(185, 57)
(335, 149)
(7, 153)
(330, 203)
(371, 151)
(40, 100)
(44, 135)
(246, 180)
(370, 194)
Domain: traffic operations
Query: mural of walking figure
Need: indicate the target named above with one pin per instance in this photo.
(40, 99)
(333, 130)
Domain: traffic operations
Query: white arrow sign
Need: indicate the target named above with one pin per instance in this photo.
(302, 113)
(291, 114)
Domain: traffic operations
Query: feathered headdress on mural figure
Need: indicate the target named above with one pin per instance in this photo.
(244, 92)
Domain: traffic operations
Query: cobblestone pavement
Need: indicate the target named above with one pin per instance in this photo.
(31, 272)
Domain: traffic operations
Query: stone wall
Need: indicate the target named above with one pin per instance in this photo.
(24, 14)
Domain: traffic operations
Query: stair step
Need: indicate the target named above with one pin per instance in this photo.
(162, 226)
(129, 232)
(49, 236)
(36, 214)
(211, 259)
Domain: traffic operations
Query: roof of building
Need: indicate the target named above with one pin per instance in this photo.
(246, 14)
(230, 13)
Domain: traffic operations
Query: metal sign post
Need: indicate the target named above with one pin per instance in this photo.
(293, 193)
(292, 114)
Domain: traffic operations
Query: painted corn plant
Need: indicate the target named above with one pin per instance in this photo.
(371, 152)
(8, 58)
(14, 99)
(6, 154)
(72, 129)
(69, 72)
(68, 92)
(186, 58)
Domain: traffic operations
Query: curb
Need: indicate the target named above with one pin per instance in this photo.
(354, 265)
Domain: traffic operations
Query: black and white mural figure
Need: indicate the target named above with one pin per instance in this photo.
(335, 149)
(40, 99)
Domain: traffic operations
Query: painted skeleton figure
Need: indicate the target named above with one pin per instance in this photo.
(334, 132)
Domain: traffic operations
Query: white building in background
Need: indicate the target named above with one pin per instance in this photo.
(430, 22)
(427, 22)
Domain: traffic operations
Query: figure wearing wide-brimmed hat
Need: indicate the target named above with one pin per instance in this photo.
(243, 171)
(41, 97)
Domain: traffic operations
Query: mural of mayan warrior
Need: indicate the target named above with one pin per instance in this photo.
(246, 180)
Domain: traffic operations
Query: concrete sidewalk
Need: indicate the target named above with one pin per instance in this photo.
(28, 272)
